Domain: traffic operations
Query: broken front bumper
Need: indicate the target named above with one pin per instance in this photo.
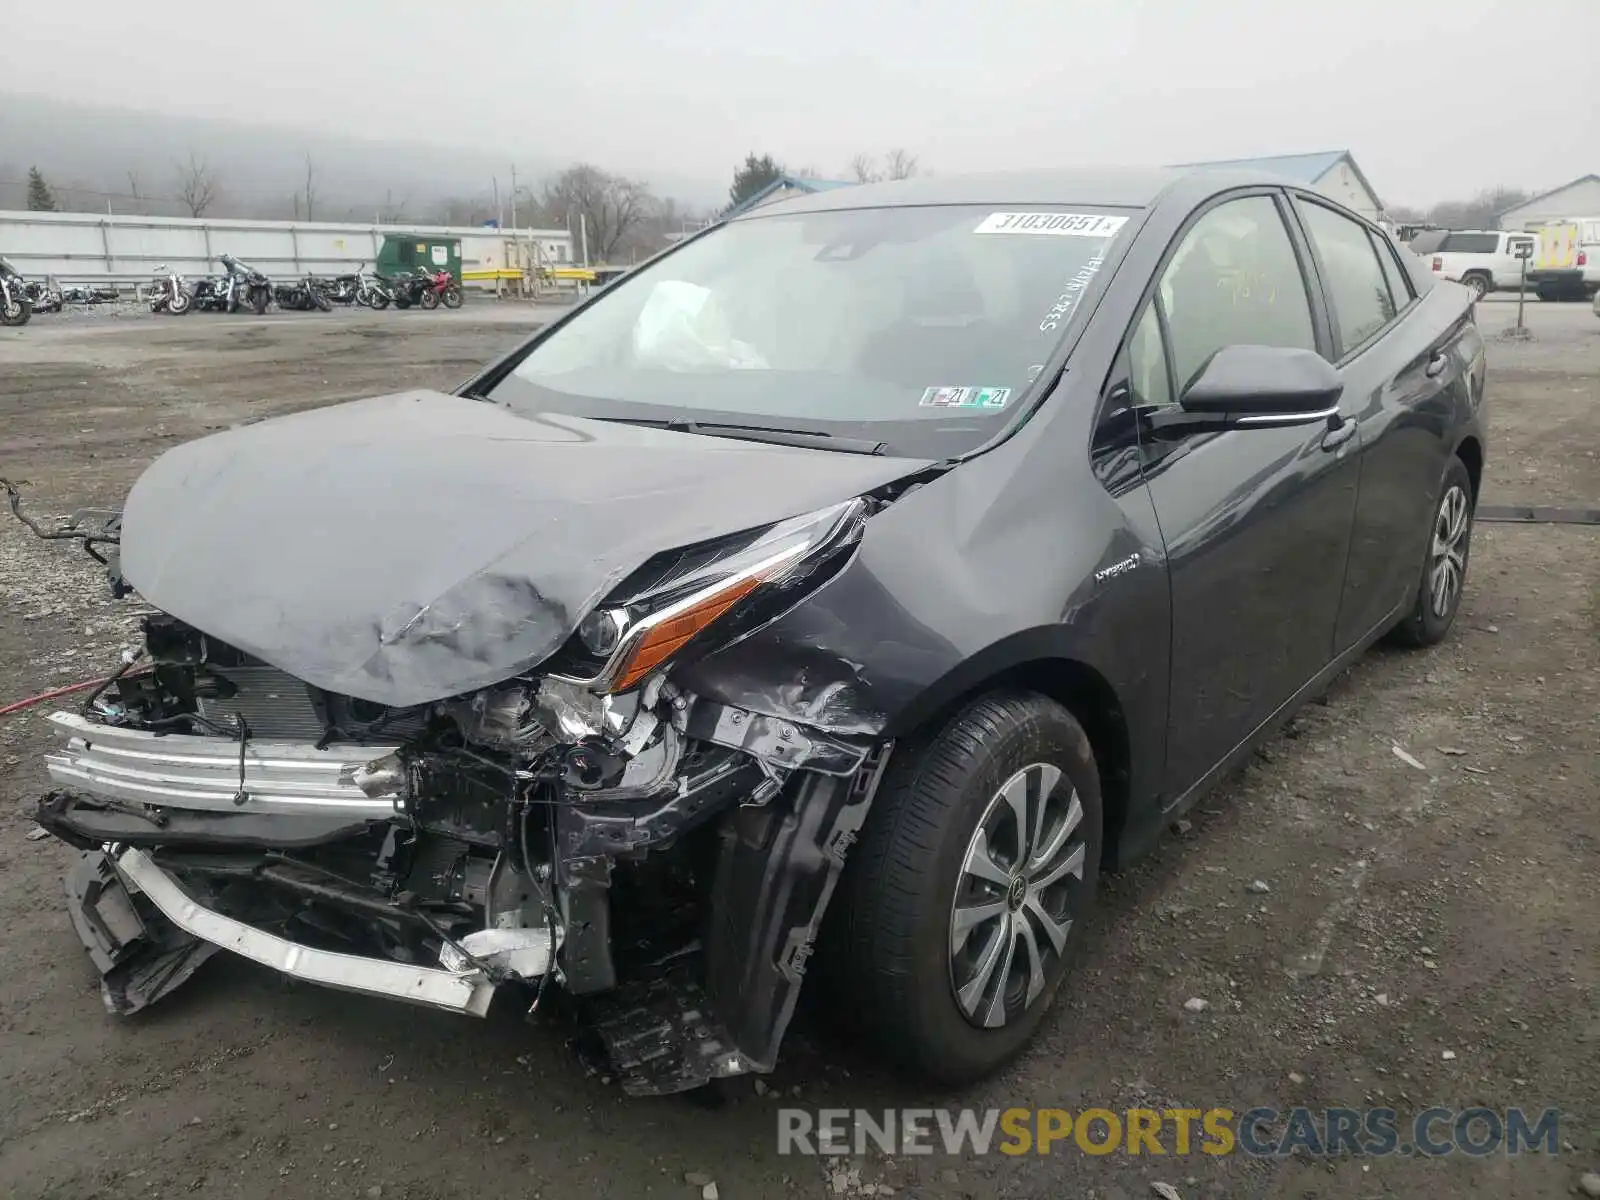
(209, 774)
(111, 927)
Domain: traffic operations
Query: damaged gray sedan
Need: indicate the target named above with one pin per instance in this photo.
(861, 576)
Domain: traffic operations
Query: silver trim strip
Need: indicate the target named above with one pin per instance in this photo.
(1300, 418)
(467, 992)
(202, 773)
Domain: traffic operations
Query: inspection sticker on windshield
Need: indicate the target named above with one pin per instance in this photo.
(1053, 224)
(965, 397)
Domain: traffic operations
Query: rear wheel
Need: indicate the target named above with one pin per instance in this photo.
(1477, 284)
(260, 297)
(1444, 566)
(429, 299)
(959, 909)
(320, 301)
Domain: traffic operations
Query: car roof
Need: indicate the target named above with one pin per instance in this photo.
(1092, 187)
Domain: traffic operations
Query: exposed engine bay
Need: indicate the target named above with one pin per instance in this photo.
(587, 831)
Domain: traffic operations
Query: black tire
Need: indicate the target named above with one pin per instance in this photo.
(452, 296)
(1478, 284)
(1427, 624)
(401, 302)
(321, 302)
(887, 953)
(16, 313)
(378, 302)
(429, 299)
(260, 297)
(1547, 295)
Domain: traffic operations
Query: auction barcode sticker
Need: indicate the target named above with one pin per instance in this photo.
(1054, 224)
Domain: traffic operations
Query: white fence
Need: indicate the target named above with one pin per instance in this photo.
(88, 248)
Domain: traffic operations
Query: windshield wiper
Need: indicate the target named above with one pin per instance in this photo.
(757, 433)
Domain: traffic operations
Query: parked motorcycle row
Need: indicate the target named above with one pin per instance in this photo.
(239, 287)
(242, 286)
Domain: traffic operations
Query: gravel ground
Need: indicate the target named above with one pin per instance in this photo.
(1426, 935)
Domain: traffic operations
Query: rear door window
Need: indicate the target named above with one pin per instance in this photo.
(1399, 286)
(1355, 281)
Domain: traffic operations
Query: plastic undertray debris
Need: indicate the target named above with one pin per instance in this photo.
(660, 1037)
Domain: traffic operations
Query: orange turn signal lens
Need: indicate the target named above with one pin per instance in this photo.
(664, 639)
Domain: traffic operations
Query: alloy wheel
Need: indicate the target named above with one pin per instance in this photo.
(1015, 895)
(1447, 563)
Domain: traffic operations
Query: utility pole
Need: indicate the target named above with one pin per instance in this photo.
(513, 201)
(583, 229)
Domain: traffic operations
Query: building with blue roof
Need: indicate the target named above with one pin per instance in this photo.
(783, 188)
(1332, 172)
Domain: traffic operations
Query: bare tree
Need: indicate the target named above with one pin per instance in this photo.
(610, 205)
(898, 164)
(311, 190)
(133, 185)
(865, 168)
(197, 185)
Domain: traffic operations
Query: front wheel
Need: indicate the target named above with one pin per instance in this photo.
(260, 297)
(452, 296)
(321, 301)
(179, 304)
(15, 311)
(1444, 567)
(960, 908)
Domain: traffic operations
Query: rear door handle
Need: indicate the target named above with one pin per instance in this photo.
(1339, 434)
(1437, 364)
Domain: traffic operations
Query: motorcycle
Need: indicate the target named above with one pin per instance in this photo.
(89, 295)
(370, 290)
(303, 294)
(406, 287)
(167, 293)
(45, 296)
(440, 287)
(15, 306)
(240, 284)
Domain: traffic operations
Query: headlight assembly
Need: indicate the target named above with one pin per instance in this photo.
(684, 592)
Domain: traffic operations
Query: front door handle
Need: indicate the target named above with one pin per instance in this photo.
(1437, 364)
(1339, 434)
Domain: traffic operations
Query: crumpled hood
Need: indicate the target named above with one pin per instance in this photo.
(415, 546)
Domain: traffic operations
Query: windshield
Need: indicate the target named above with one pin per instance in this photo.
(918, 327)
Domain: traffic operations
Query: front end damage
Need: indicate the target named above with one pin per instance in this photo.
(587, 830)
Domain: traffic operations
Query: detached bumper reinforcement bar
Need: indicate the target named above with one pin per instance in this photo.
(202, 774)
(467, 992)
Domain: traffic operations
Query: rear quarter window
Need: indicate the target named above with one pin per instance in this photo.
(1470, 243)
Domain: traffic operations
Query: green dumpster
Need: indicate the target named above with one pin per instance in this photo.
(415, 251)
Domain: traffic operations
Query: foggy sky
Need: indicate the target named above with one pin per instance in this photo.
(1436, 98)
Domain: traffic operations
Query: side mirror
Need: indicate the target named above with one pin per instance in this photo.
(1255, 387)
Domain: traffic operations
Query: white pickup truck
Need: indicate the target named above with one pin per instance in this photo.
(1482, 259)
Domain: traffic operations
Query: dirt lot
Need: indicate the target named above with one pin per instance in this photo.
(1429, 936)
